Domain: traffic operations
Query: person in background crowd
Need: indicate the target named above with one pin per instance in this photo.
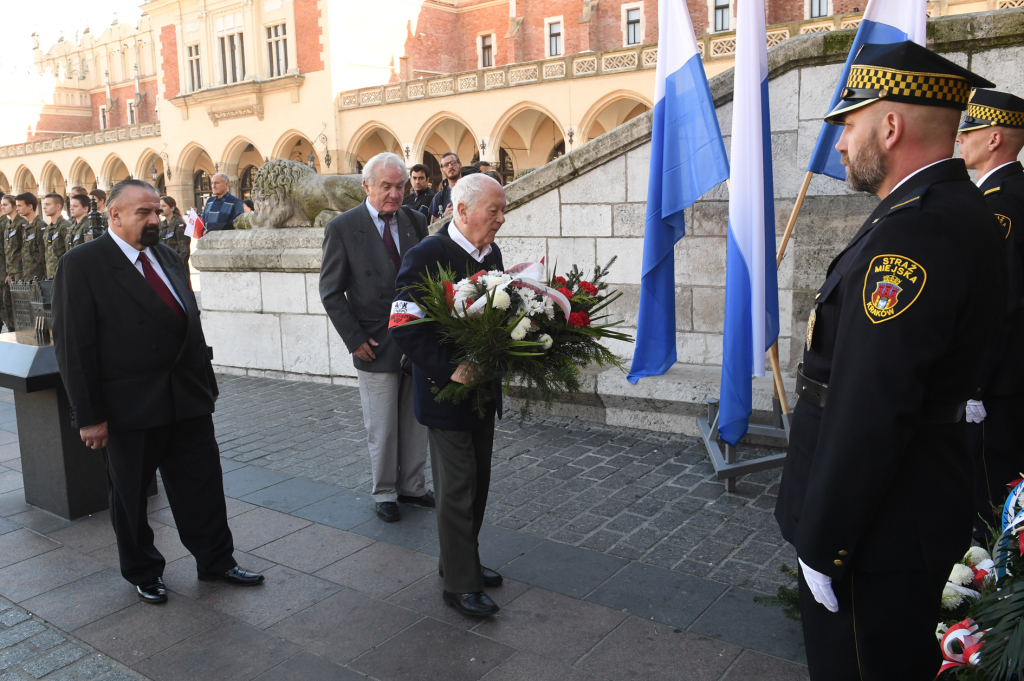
(101, 200)
(371, 239)
(494, 175)
(482, 166)
(79, 204)
(6, 307)
(56, 233)
(13, 241)
(74, 190)
(421, 195)
(896, 341)
(33, 250)
(248, 206)
(441, 204)
(469, 170)
(991, 137)
(222, 208)
(172, 229)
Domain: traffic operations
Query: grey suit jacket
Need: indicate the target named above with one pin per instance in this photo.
(357, 282)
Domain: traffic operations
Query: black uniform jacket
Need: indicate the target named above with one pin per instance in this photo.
(123, 354)
(433, 360)
(903, 321)
(1004, 192)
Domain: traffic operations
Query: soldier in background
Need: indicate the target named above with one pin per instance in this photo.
(172, 229)
(33, 243)
(56, 233)
(991, 137)
(7, 213)
(77, 189)
(13, 238)
(101, 202)
(79, 209)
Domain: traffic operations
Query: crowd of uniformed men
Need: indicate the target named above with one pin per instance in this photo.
(37, 233)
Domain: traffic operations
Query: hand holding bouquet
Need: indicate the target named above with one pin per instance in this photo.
(521, 328)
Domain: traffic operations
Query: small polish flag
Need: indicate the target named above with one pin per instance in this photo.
(194, 227)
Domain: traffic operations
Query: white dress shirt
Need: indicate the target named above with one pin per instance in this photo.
(379, 221)
(474, 252)
(132, 254)
(981, 181)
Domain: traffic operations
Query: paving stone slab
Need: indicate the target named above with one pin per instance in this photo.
(290, 495)
(283, 593)
(736, 618)
(85, 600)
(343, 511)
(380, 569)
(248, 479)
(313, 548)
(565, 569)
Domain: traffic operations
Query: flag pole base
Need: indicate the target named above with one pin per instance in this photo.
(726, 465)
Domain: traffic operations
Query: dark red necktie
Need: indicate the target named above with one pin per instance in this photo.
(160, 287)
(389, 240)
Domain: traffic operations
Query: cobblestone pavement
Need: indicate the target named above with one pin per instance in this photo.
(32, 649)
(641, 495)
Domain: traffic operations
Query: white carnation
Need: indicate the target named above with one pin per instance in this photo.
(961, 575)
(519, 333)
(951, 600)
(546, 340)
(491, 280)
(501, 299)
(941, 630)
(467, 289)
(975, 555)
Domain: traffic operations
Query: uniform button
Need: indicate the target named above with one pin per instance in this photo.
(838, 562)
(843, 553)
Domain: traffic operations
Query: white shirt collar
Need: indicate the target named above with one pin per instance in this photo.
(918, 171)
(474, 252)
(129, 251)
(374, 213)
(981, 180)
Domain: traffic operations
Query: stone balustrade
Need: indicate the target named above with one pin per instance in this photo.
(83, 139)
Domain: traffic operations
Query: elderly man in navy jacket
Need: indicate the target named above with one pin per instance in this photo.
(460, 441)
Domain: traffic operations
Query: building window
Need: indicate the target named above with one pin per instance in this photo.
(277, 50)
(232, 58)
(486, 52)
(721, 15)
(554, 46)
(200, 189)
(819, 8)
(195, 77)
(131, 113)
(103, 117)
(634, 36)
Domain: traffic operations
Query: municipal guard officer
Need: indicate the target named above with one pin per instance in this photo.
(991, 137)
(876, 493)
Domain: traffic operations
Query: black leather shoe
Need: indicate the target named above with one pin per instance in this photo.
(152, 591)
(475, 605)
(388, 512)
(426, 501)
(491, 578)
(236, 576)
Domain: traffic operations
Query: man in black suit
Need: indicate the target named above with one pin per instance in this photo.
(461, 441)
(137, 370)
(362, 253)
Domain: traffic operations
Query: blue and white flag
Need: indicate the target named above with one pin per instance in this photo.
(687, 160)
(885, 21)
(751, 284)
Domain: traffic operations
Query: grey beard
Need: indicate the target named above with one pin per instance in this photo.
(866, 172)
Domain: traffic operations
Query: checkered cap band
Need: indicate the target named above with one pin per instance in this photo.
(1012, 119)
(909, 84)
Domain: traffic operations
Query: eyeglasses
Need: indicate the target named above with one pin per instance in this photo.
(450, 163)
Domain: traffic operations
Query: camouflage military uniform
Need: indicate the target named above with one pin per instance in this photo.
(56, 244)
(172, 233)
(7, 311)
(74, 236)
(33, 250)
(14, 235)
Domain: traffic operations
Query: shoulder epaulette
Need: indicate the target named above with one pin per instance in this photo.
(913, 202)
(994, 190)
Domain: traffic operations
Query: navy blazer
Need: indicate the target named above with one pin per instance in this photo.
(433, 361)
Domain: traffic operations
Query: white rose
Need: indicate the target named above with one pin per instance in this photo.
(961, 575)
(941, 630)
(976, 554)
(950, 598)
(467, 289)
(547, 341)
(501, 299)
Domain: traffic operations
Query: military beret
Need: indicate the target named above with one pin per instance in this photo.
(988, 108)
(904, 72)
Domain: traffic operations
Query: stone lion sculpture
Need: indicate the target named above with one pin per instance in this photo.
(291, 194)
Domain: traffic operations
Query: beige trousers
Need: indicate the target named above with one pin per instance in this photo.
(396, 440)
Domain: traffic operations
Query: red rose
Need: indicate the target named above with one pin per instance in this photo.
(566, 292)
(588, 288)
(579, 319)
(558, 281)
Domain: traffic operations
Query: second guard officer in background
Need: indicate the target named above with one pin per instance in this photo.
(33, 241)
(876, 493)
(56, 234)
(991, 138)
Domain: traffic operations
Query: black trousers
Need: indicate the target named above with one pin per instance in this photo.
(884, 630)
(461, 463)
(188, 458)
(997, 452)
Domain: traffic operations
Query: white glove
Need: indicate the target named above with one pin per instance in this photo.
(821, 586)
(975, 411)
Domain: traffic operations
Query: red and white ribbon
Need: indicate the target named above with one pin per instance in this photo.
(964, 634)
(524, 275)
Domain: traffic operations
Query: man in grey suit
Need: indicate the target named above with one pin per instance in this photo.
(362, 254)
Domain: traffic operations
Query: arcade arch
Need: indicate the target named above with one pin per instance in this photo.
(527, 136)
(151, 169)
(445, 132)
(24, 181)
(113, 171)
(610, 112)
(195, 167)
(81, 175)
(51, 180)
(5, 184)
(295, 146)
(372, 139)
(240, 161)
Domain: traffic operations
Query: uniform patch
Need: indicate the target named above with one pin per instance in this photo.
(891, 285)
(1005, 223)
